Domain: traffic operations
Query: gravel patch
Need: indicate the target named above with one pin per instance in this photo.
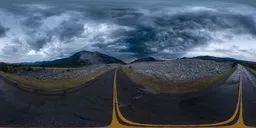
(60, 73)
(186, 69)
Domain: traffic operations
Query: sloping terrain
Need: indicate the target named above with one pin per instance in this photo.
(82, 58)
(220, 59)
(147, 59)
(181, 69)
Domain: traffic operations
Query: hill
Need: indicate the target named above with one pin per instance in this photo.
(147, 59)
(220, 59)
(81, 58)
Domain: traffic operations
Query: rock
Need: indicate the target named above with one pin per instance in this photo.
(187, 69)
(60, 73)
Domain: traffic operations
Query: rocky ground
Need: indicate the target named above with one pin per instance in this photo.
(186, 69)
(60, 73)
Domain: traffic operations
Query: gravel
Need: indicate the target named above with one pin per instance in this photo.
(186, 69)
(60, 73)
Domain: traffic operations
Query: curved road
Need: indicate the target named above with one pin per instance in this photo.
(89, 106)
(116, 101)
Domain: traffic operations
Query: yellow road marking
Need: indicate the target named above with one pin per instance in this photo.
(116, 110)
(240, 122)
(115, 123)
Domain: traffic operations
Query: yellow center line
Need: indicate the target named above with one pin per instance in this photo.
(115, 123)
(116, 110)
(240, 122)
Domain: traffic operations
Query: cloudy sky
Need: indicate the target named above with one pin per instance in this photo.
(36, 30)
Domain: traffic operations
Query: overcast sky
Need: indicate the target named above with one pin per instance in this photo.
(36, 30)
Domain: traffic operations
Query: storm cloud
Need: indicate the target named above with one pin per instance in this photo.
(3, 31)
(34, 32)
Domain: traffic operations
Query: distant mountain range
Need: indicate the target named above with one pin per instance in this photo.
(79, 59)
(220, 59)
(147, 59)
(84, 58)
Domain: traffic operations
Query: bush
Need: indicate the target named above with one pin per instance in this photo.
(11, 68)
(30, 69)
(234, 65)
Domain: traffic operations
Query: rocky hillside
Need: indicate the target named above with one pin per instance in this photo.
(147, 59)
(186, 69)
(47, 74)
(220, 59)
(82, 58)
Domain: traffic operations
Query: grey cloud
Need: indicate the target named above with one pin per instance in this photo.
(10, 50)
(68, 30)
(3, 31)
(223, 50)
(36, 43)
(248, 51)
(33, 22)
(38, 37)
(180, 32)
(163, 35)
(15, 50)
(51, 12)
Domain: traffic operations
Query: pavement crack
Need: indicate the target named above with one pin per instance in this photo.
(95, 109)
(20, 114)
(83, 118)
(93, 102)
(104, 99)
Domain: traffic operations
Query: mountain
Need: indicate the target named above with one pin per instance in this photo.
(81, 58)
(220, 59)
(147, 59)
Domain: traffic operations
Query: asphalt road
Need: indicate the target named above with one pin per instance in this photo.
(89, 106)
(115, 100)
(249, 98)
(211, 105)
(230, 103)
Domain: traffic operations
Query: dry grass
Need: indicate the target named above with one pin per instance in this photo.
(58, 68)
(177, 86)
(55, 83)
(252, 70)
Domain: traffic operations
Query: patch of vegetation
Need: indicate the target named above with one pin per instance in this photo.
(11, 68)
(250, 67)
(253, 71)
(177, 86)
(55, 83)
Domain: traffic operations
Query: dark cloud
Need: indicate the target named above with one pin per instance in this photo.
(69, 29)
(33, 22)
(15, 50)
(3, 31)
(51, 12)
(9, 50)
(180, 32)
(223, 50)
(175, 34)
(36, 43)
(153, 31)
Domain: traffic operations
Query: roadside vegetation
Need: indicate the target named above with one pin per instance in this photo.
(54, 84)
(176, 86)
(11, 68)
(251, 68)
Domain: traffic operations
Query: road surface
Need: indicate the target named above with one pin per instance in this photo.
(116, 101)
(89, 106)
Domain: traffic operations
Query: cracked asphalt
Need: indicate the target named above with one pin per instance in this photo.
(89, 106)
(92, 105)
(212, 105)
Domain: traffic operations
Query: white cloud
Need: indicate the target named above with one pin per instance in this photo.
(239, 47)
(34, 7)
